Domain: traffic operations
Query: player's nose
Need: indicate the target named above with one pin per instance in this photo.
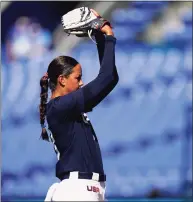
(81, 83)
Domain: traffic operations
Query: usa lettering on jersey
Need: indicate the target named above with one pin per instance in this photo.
(92, 188)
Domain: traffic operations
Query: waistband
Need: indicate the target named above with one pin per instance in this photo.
(83, 175)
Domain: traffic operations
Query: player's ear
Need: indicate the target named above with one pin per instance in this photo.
(62, 80)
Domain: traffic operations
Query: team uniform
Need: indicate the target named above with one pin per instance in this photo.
(79, 165)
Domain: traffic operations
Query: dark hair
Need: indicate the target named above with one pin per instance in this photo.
(62, 65)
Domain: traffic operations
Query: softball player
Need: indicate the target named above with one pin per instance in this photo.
(79, 166)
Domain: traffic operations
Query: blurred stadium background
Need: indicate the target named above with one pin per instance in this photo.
(144, 126)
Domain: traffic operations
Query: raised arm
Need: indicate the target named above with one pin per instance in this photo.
(100, 39)
(95, 91)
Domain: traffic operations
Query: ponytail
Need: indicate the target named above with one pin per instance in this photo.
(42, 106)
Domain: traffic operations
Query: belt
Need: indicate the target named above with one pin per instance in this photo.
(83, 175)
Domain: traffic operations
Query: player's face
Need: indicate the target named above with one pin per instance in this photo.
(74, 81)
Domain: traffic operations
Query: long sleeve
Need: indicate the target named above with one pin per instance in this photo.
(98, 89)
(100, 39)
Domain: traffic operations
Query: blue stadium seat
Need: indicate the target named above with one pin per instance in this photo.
(149, 4)
(183, 36)
(124, 16)
(172, 63)
(187, 17)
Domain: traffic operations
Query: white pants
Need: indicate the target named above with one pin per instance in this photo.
(76, 190)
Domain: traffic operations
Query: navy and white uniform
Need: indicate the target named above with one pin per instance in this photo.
(80, 166)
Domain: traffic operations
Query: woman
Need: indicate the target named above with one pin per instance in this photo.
(79, 165)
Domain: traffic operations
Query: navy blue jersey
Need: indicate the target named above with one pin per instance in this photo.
(74, 138)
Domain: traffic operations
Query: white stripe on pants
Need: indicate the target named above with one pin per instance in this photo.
(76, 190)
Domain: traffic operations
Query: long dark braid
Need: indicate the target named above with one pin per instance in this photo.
(42, 106)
